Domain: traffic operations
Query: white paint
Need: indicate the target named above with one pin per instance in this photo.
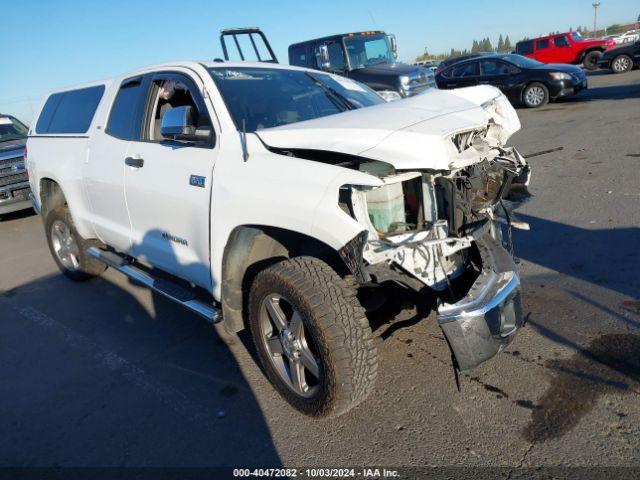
(121, 206)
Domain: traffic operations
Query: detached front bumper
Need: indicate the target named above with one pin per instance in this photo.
(479, 325)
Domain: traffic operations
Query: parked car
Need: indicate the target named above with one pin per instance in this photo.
(567, 47)
(14, 182)
(367, 57)
(628, 37)
(430, 64)
(320, 189)
(621, 59)
(521, 79)
(460, 58)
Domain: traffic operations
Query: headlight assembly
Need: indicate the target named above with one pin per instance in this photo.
(560, 76)
(389, 95)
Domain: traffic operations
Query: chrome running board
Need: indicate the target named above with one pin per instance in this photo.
(166, 288)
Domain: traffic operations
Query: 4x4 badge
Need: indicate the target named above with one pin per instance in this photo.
(197, 181)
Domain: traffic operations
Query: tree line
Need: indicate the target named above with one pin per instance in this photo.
(504, 44)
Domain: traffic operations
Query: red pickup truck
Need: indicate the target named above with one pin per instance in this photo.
(567, 47)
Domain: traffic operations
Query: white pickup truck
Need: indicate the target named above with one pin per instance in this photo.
(267, 197)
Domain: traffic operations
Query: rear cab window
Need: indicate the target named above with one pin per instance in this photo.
(125, 118)
(299, 55)
(70, 112)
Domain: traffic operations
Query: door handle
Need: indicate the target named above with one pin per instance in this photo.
(134, 162)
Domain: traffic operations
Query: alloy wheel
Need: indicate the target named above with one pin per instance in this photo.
(535, 96)
(621, 64)
(65, 245)
(285, 338)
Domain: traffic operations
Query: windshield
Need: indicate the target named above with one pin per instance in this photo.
(259, 98)
(520, 61)
(367, 50)
(576, 36)
(11, 129)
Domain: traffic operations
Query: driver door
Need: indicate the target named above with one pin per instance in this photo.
(168, 184)
(563, 53)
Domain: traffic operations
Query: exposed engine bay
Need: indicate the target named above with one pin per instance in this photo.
(425, 221)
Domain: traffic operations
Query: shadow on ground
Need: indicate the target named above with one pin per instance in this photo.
(100, 381)
(585, 254)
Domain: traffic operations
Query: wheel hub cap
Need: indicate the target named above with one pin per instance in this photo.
(290, 346)
(65, 245)
(289, 352)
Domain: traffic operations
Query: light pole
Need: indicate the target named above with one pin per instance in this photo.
(595, 16)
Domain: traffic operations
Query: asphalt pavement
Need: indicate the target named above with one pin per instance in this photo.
(106, 373)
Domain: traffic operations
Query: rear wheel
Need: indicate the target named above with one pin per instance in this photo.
(535, 95)
(590, 60)
(68, 248)
(312, 336)
(621, 64)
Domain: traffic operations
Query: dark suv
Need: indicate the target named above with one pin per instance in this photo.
(367, 57)
(14, 181)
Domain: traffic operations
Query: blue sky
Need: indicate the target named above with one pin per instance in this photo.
(50, 44)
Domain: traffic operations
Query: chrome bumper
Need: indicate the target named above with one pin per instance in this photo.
(479, 325)
(13, 198)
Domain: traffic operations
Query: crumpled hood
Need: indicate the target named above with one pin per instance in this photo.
(409, 134)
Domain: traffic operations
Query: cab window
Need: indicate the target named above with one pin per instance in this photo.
(465, 70)
(168, 91)
(336, 56)
(561, 41)
(298, 55)
(542, 44)
(494, 67)
(124, 119)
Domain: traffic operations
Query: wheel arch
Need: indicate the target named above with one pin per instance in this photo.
(588, 50)
(51, 195)
(252, 248)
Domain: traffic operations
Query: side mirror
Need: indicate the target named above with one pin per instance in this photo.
(394, 45)
(325, 63)
(179, 124)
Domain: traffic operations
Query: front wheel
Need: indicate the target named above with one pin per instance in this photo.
(621, 64)
(312, 336)
(590, 60)
(68, 248)
(535, 95)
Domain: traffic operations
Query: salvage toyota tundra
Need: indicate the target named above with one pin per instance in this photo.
(265, 197)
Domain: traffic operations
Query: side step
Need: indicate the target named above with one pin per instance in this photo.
(171, 290)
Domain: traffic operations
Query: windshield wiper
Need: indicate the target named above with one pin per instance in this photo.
(346, 104)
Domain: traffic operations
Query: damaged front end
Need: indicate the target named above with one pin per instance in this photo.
(441, 230)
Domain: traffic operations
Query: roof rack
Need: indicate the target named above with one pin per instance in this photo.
(251, 32)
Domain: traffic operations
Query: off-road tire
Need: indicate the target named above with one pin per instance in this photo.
(541, 87)
(621, 64)
(338, 328)
(590, 60)
(88, 267)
